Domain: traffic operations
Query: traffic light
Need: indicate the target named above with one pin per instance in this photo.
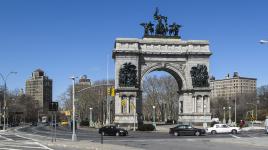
(112, 91)
(108, 91)
(53, 106)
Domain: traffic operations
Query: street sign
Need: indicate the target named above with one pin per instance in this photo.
(53, 106)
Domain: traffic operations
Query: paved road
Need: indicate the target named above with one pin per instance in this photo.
(92, 134)
(11, 141)
(160, 140)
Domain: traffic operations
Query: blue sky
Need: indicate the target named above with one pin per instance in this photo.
(65, 37)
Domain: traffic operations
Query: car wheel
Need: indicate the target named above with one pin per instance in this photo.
(234, 131)
(103, 133)
(117, 134)
(176, 134)
(197, 133)
(213, 132)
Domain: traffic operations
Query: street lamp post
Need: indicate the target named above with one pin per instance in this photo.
(74, 137)
(236, 90)
(90, 117)
(5, 88)
(224, 120)
(256, 107)
(154, 117)
(230, 120)
(235, 109)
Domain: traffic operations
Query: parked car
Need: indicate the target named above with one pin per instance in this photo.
(223, 128)
(186, 130)
(34, 123)
(113, 130)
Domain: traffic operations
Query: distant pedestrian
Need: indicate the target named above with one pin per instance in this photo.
(266, 124)
(242, 123)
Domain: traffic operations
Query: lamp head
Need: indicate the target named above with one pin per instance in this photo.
(73, 77)
(263, 41)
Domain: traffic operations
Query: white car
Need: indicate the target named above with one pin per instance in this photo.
(223, 128)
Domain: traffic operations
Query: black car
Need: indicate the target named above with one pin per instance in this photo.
(186, 130)
(113, 130)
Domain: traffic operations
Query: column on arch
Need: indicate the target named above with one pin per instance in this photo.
(194, 103)
(199, 103)
(202, 104)
(207, 103)
(117, 104)
(124, 101)
(132, 104)
(208, 107)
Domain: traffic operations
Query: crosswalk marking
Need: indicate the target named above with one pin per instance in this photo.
(6, 139)
(9, 142)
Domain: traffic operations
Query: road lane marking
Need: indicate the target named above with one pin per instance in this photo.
(235, 136)
(22, 146)
(6, 139)
(35, 141)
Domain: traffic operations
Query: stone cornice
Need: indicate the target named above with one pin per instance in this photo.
(161, 41)
(161, 46)
(135, 52)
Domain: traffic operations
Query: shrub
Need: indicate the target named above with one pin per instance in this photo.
(171, 121)
(84, 123)
(146, 127)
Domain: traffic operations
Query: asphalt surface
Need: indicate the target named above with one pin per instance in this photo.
(156, 140)
(11, 141)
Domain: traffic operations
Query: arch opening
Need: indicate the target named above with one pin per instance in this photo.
(160, 95)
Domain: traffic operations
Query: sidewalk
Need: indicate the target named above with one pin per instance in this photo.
(252, 128)
(86, 145)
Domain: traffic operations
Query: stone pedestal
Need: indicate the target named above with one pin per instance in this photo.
(126, 106)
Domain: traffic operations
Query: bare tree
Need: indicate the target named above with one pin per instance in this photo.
(93, 97)
(162, 93)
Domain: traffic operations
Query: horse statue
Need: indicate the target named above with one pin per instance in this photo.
(148, 27)
(174, 29)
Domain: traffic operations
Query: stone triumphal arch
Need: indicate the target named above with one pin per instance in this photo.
(186, 60)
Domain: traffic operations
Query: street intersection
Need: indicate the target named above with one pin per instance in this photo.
(246, 140)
